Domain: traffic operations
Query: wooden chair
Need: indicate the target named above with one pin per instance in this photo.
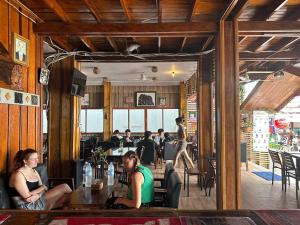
(191, 172)
(276, 163)
(211, 176)
(290, 170)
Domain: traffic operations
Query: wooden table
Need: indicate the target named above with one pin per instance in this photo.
(260, 217)
(85, 198)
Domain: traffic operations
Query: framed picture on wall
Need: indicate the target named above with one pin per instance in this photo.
(162, 101)
(20, 50)
(146, 99)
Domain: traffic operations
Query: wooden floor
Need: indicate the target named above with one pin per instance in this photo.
(256, 192)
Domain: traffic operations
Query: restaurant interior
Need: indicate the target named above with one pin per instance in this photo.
(150, 112)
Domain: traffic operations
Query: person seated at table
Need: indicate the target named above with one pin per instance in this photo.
(159, 138)
(128, 137)
(26, 188)
(146, 149)
(140, 183)
(116, 138)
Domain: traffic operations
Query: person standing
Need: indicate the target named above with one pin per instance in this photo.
(181, 143)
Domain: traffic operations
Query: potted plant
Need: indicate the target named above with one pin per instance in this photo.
(99, 160)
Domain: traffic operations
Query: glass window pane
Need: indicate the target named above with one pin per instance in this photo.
(45, 122)
(137, 120)
(154, 119)
(169, 119)
(82, 123)
(94, 122)
(120, 119)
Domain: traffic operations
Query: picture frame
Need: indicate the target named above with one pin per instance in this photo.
(85, 100)
(20, 50)
(163, 101)
(145, 98)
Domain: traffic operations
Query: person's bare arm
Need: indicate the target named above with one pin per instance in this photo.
(42, 187)
(137, 181)
(19, 183)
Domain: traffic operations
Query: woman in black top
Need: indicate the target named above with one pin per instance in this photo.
(26, 188)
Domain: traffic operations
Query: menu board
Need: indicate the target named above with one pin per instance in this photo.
(260, 131)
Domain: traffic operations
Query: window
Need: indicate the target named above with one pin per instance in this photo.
(169, 116)
(154, 119)
(91, 120)
(137, 120)
(45, 122)
(120, 119)
(82, 123)
(94, 120)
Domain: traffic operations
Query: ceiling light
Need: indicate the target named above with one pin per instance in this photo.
(173, 74)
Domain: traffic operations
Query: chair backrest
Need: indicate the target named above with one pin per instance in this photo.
(169, 151)
(168, 170)
(288, 161)
(275, 157)
(173, 191)
(5, 202)
(148, 153)
(42, 170)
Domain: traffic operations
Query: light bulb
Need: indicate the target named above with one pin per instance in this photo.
(173, 74)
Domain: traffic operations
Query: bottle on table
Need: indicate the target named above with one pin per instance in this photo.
(89, 175)
(110, 174)
(84, 174)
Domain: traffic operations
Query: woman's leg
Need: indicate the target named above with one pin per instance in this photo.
(56, 196)
(177, 158)
(186, 155)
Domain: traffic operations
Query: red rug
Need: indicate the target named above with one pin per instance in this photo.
(115, 221)
(3, 217)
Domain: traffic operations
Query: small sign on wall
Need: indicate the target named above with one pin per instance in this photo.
(8, 96)
(129, 100)
(85, 100)
(162, 101)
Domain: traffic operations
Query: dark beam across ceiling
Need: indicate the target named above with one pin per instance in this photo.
(114, 29)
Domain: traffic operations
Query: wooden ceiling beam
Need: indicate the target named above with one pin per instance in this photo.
(293, 14)
(159, 11)
(128, 29)
(264, 13)
(264, 44)
(234, 9)
(285, 55)
(61, 42)
(126, 11)
(207, 43)
(269, 26)
(58, 10)
(94, 10)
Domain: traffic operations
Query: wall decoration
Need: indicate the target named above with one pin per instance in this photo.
(145, 99)
(16, 78)
(8, 96)
(20, 49)
(129, 100)
(85, 100)
(260, 131)
(162, 101)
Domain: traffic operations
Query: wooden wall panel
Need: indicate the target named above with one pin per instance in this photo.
(19, 127)
(95, 97)
(120, 92)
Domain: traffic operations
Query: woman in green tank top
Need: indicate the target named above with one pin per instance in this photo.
(141, 184)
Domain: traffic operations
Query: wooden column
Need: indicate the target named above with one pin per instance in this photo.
(107, 102)
(227, 117)
(205, 109)
(183, 102)
(63, 120)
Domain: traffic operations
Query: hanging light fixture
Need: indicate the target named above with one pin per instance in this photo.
(173, 74)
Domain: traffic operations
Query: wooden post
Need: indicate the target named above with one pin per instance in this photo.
(227, 117)
(183, 102)
(205, 109)
(107, 120)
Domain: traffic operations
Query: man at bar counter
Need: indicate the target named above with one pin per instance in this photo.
(141, 183)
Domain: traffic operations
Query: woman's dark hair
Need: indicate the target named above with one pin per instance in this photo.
(22, 155)
(179, 120)
(116, 132)
(160, 130)
(132, 155)
(147, 134)
(127, 130)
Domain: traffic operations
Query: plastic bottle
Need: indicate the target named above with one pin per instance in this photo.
(84, 174)
(111, 174)
(89, 175)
